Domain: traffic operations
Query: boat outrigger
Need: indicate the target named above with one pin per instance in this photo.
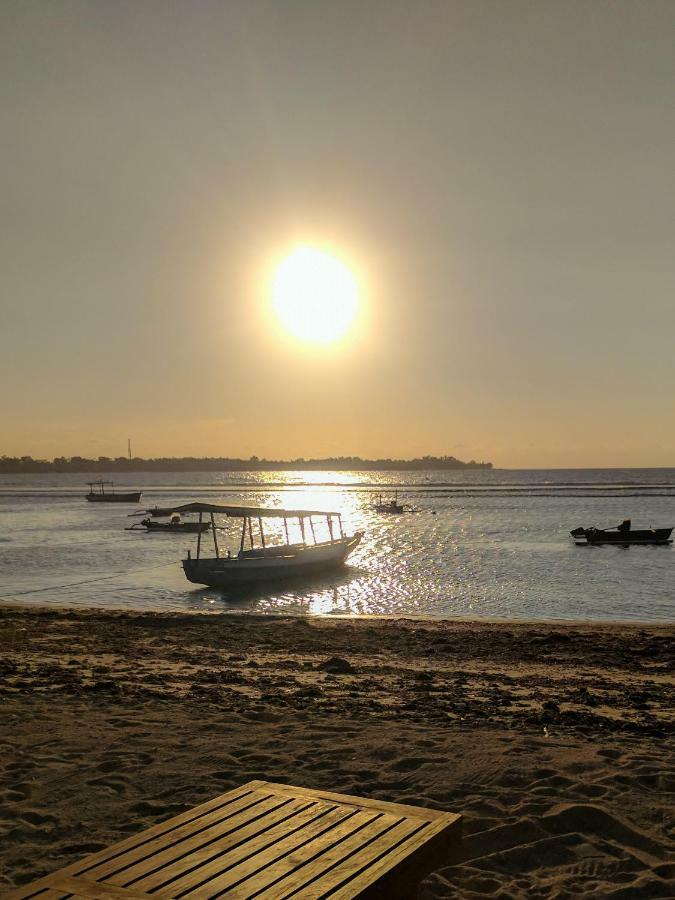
(175, 525)
(621, 534)
(268, 562)
(98, 494)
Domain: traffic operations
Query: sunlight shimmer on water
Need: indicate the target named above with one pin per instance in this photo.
(479, 544)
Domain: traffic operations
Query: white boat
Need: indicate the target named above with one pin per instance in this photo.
(264, 561)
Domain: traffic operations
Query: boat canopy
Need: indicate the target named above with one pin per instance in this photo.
(252, 512)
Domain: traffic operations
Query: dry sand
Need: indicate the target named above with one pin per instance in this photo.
(555, 741)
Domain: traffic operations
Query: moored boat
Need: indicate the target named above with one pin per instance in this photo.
(174, 526)
(268, 562)
(622, 534)
(99, 494)
(159, 512)
(389, 506)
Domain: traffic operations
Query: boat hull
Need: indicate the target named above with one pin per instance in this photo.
(645, 536)
(115, 498)
(272, 565)
(181, 528)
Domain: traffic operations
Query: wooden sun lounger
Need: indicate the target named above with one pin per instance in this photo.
(269, 841)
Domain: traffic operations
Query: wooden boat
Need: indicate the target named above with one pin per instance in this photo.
(389, 506)
(98, 494)
(159, 512)
(267, 562)
(622, 534)
(175, 526)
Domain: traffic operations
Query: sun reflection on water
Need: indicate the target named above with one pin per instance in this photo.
(492, 555)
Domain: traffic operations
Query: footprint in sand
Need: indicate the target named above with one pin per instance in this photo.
(610, 754)
(116, 785)
(590, 791)
(81, 849)
(110, 765)
(35, 818)
(157, 810)
(23, 766)
(410, 763)
(18, 793)
(258, 759)
(383, 754)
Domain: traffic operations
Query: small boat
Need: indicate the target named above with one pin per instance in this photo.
(98, 494)
(621, 534)
(158, 512)
(268, 562)
(174, 526)
(389, 506)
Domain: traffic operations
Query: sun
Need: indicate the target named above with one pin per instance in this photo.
(314, 295)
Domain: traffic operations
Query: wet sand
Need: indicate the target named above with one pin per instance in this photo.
(555, 741)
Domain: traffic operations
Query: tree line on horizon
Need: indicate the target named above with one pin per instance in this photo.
(18, 464)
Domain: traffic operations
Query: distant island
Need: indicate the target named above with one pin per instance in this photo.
(18, 464)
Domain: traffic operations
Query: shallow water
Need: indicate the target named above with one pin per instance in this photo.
(479, 543)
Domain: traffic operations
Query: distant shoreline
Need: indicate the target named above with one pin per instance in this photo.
(26, 464)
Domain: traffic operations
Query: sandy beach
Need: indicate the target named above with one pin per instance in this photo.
(554, 741)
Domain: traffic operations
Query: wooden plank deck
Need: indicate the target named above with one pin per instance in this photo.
(268, 841)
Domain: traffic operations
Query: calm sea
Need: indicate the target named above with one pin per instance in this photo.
(479, 543)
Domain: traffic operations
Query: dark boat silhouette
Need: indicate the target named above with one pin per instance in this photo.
(622, 534)
(175, 526)
(98, 494)
(388, 505)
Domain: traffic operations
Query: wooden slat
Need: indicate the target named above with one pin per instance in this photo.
(247, 805)
(156, 870)
(82, 887)
(251, 858)
(413, 859)
(347, 859)
(267, 869)
(426, 847)
(40, 893)
(285, 835)
(290, 876)
(394, 809)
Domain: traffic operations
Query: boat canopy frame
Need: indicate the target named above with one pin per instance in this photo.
(100, 484)
(249, 513)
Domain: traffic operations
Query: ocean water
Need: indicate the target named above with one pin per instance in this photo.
(479, 543)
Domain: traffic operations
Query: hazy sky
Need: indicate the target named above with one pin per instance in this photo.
(500, 176)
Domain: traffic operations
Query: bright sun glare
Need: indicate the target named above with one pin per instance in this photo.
(314, 295)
